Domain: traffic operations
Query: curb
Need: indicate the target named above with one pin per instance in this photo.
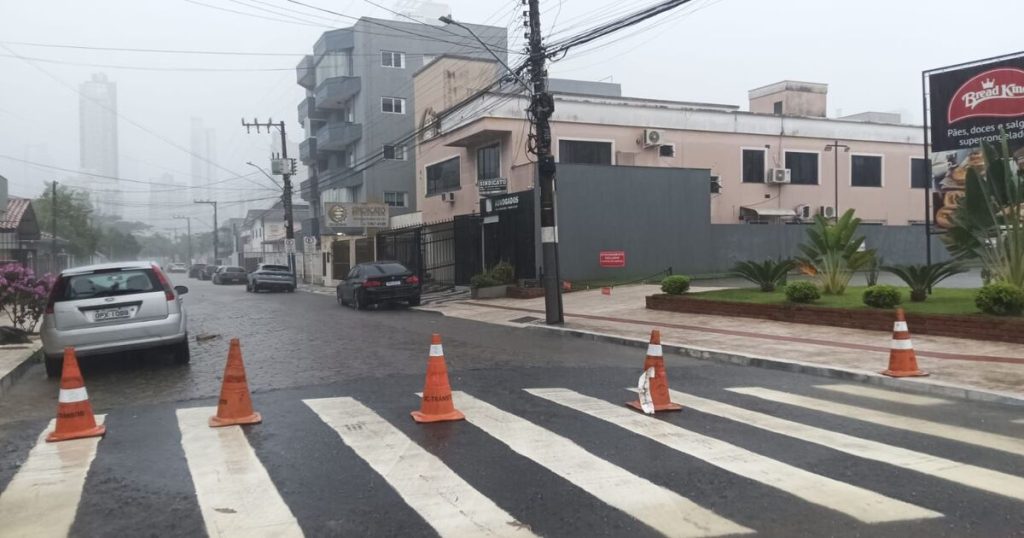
(918, 385)
(31, 356)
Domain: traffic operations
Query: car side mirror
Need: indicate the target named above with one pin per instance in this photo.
(181, 290)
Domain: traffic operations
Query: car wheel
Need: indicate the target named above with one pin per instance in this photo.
(358, 302)
(341, 300)
(181, 352)
(54, 366)
(414, 301)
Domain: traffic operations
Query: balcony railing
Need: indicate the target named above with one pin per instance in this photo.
(307, 151)
(334, 92)
(307, 109)
(337, 178)
(305, 74)
(337, 136)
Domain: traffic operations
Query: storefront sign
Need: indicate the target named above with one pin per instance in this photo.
(346, 215)
(493, 186)
(501, 203)
(612, 258)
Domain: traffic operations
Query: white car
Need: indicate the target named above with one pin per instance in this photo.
(177, 268)
(113, 307)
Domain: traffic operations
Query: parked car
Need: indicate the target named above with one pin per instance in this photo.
(379, 282)
(230, 274)
(196, 270)
(113, 307)
(207, 272)
(176, 268)
(268, 276)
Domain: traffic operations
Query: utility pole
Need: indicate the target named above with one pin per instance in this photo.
(287, 169)
(188, 223)
(216, 254)
(53, 230)
(542, 105)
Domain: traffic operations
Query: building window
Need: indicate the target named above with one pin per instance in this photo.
(394, 199)
(392, 105)
(392, 59)
(443, 176)
(919, 171)
(803, 167)
(716, 185)
(753, 166)
(394, 153)
(488, 162)
(584, 152)
(866, 171)
(777, 108)
(668, 150)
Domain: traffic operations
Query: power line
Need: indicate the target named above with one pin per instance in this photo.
(154, 51)
(152, 68)
(563, 46)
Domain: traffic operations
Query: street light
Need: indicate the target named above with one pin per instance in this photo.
(448, 20)
(835, 145)
(270, 177)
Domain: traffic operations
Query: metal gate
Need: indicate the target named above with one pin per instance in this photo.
(443, 255)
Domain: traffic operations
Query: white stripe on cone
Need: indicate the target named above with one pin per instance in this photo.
(436, 351)
(654, 350)
(900, 326)
(72, 395)
(902, 344)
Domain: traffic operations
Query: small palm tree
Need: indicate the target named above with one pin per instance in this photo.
(767, 274)
(832, 253)
(922, 278)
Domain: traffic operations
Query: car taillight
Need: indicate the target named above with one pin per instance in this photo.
(371, 283)
(56, 291)
(412, 280)
(168, 289)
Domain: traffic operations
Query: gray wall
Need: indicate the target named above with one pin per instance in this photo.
(661, 218)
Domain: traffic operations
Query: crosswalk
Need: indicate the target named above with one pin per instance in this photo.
(237, 491)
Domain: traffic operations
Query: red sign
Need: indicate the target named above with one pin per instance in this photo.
(996, 92)
(612, 258)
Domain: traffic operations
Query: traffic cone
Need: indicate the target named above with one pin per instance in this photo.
(902, 360)
(659, 381)
(74, 414)
(235, 405)
(437, 405)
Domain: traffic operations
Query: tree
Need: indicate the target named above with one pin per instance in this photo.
(117, 245)
(832, 253)
(74, 216)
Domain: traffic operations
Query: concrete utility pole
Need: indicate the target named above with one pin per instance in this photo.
(53, 230)
(216, 254)
(188, 224)
(287, 170)
(542, 105)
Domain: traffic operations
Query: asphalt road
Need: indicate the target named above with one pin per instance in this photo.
(551, 463)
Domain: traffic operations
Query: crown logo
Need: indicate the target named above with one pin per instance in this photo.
(988, 84)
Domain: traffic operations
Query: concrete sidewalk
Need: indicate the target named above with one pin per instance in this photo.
(15, 359)
(958, 367)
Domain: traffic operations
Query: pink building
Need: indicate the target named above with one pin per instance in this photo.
(776, 161)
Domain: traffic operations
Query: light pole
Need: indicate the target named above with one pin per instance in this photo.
(834, 148)
(448, 20)
(188, 223)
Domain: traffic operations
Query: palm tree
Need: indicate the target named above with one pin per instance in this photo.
(767, 274)
(922, 278)
(832, 253)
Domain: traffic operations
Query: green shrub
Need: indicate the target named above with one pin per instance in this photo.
(882, 296)
(802, 291)
(1000, 299)
(767, 274)
(675, 284)
(504, 273)
(483, 280)
(922, 278)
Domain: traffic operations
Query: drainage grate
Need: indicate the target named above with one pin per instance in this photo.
(525, 319)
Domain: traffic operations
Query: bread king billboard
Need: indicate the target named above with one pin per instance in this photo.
(968, 106)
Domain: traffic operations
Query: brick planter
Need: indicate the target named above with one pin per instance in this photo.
(977, 327)
(515, 292)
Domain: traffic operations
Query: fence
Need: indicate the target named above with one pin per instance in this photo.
(443, 255)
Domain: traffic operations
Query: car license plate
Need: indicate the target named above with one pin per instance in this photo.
(394, 283)
(111, 314)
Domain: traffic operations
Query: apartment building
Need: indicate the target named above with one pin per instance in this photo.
(358, 110)
(780, 160)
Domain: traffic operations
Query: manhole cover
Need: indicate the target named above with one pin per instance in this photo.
(525, 319)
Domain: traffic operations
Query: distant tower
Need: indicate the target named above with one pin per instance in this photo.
(211, 157)
(97, 136)
(197, 146)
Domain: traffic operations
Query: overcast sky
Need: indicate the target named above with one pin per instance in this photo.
(870, 53)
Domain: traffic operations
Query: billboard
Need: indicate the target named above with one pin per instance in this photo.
(968, 106)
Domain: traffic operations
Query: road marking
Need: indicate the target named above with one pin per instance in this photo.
(879, 394)
(657, 507)
(954, 433)
(858, 503)
(954, 471)
(235, 493)
(1019, 421)
(42, 498)
(447, 502)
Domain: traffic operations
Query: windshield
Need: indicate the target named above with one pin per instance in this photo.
(110, 283)
(385, 269)
(274, 268)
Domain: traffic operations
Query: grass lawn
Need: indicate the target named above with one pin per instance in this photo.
(943, 301)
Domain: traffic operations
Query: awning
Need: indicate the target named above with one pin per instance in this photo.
(768, 211)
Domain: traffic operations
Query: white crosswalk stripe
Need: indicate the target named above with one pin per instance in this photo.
(447, 502)
(969, 475)
(885, 395)
(955, 433)
(42, 498)
(856, 502)
(235, 493)
(657, 507)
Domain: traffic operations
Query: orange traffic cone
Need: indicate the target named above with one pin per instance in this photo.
(902, 360)
(74, 414)
(235, 405)
(437, 403)
(659, 381)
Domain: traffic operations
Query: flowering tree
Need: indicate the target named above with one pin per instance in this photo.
(23, 296)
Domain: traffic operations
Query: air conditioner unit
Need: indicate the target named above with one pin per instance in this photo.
(652, 138)
(803, 211)
(778, 176)
(827, 211)
(448, 197)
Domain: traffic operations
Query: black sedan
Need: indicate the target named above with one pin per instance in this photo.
(196, 270)
(230, 274)
(379, 282)
(208, 271)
